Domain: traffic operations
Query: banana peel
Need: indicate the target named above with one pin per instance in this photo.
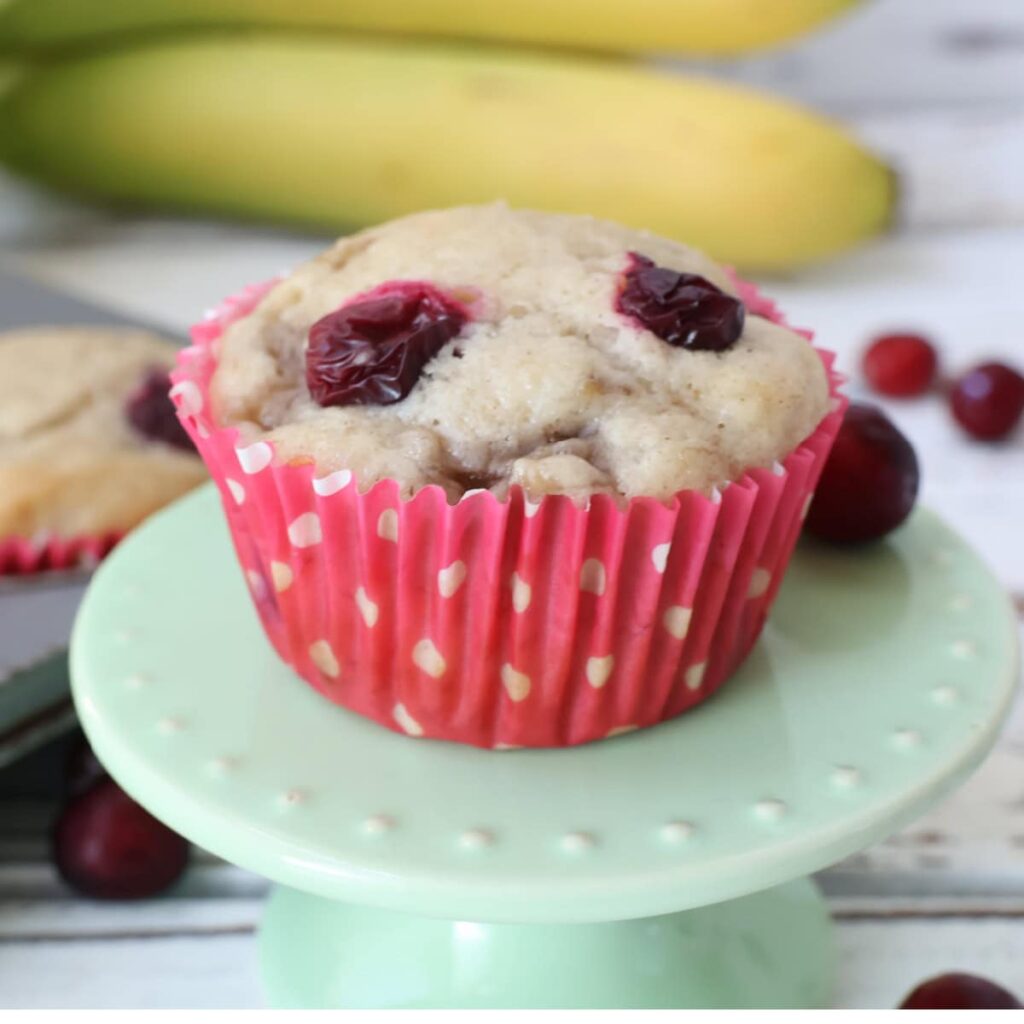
(694, 27)
(336, 132)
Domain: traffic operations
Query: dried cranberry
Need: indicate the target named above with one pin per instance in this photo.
(373, 349)
(901, 365)
(686, 310)
(988, 401)
(870, 482)
(151, 412)
(960, 992)
(107, 846)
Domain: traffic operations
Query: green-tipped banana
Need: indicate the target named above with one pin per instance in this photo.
(336, 133)
(681, 26)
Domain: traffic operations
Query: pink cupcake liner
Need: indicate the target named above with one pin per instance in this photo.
(24, 555)
(502, 623)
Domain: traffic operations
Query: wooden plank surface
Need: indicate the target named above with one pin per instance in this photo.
(937, 86)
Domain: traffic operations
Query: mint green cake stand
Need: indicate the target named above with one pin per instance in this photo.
(664, 868)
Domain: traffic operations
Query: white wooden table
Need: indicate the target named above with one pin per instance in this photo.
(938, 85)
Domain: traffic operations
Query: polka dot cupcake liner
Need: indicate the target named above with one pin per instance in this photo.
(502, 623)
(26, 555)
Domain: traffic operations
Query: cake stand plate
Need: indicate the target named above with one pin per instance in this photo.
(663, 868)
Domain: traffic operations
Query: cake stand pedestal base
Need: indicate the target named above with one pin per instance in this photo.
(772, 949)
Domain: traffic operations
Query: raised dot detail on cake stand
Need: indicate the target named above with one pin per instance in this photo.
(378, 824)
(963, 648)
(169, 725)
(293, 797)
(677, 832)
(476, 839)
(770, 809)
(907, 739)
(223, 766)
(945, 695)
(846, 776)
(578, 842)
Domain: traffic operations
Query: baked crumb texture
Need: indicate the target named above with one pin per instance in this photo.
(548, 387)
(70, 462)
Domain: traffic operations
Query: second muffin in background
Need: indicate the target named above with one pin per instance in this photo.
(89, 443)
(510, 478)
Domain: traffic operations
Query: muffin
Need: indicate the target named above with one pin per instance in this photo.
(89, 441)
(510, 478)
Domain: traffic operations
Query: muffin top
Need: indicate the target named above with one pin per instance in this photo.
(89, 443)
(484, 347)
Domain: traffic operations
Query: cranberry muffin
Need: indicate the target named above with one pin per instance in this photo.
(89, 443)
(510, 478)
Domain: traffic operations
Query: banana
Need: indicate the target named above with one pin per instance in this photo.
(335, 133)
(706, 27)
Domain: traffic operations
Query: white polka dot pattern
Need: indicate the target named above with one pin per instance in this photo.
(659, 556)
(451, 578)
(599, 669)
(190, 398)
(281, 574)
(517, 684)
(621, 730)
(256, 582)
(677, 620)
(387, 525)
(255, 457)
(695, 675)
(405, 721)
(367, 608)
(592, 577)
(323, 657)
(759, 583)
(236, 489)
(426, 656)
(331, 484)
(522, 592)
(305, 531)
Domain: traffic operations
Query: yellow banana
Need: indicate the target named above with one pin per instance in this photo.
(681, 26)
(335, 133)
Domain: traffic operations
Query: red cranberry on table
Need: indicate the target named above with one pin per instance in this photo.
(373, 349)
(900, 365)
(151, 412)
(106, 846)
(686, 310)
(870, 482)
(959, 992)
(988, 401)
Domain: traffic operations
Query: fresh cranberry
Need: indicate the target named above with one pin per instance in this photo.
(870, 482)
(959, 992)
(151, 412)
(988, 401)
(373, 349)
(901, 365)
(686, 310)
(82, 768)
(106, 846)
